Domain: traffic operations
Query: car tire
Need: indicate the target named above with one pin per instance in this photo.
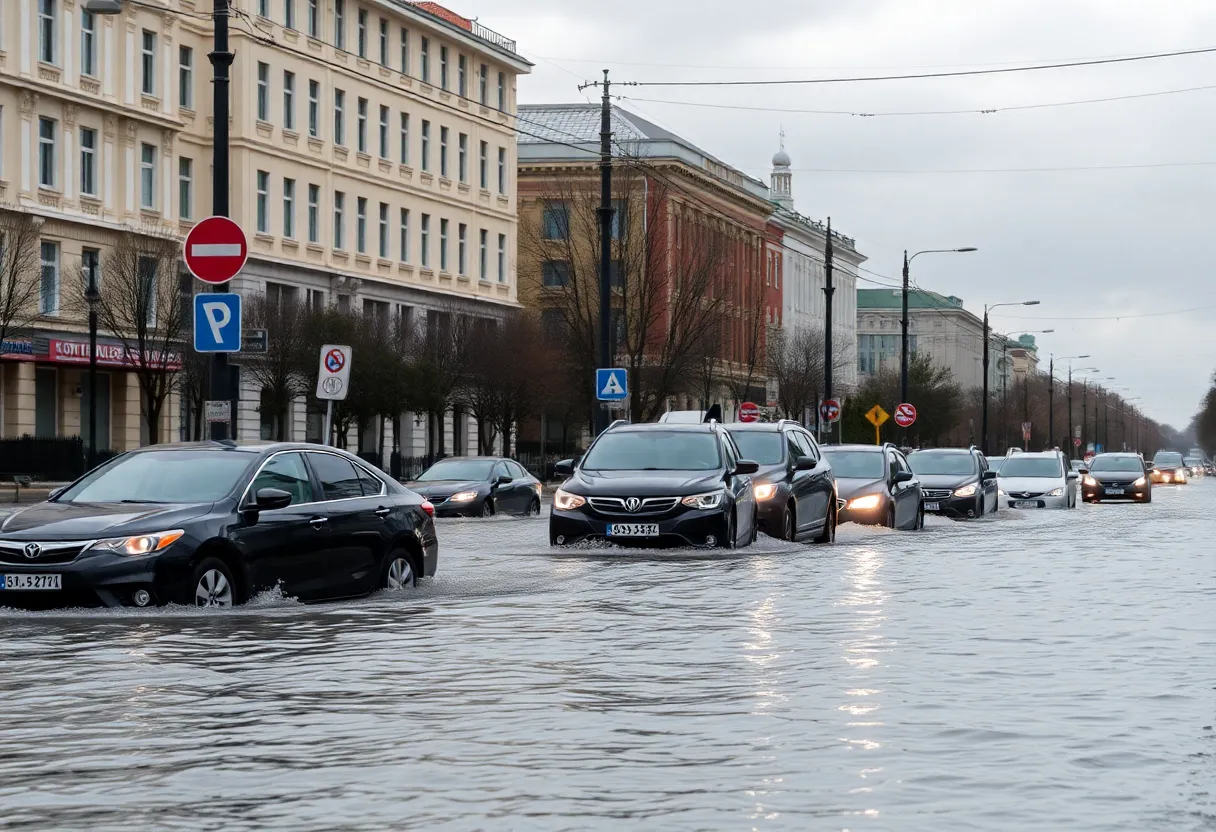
(212, 585)
(920, 519)
(1148, 496)
(534, 507)
(890, 522)
(398, 572)
(487, 508)
(828, 536)
(728, 538)
(788, 526)
(979, 505)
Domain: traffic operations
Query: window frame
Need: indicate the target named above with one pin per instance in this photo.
(147, 177)
(88, 162)
(185, 188)
(289, 100)
(147, 62)
(88, 43)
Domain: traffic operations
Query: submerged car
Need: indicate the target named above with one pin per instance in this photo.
(1197, 466)
(657, 485)
(213, 524)
(955, 482)
(1037, 480)
(1169, 468)
(876, 486)
(1116, 476)
(794, 487)
(479, 486)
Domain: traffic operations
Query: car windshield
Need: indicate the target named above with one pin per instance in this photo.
(995, 462)
(1190, 460)
(1077, 464)
(1167, 459)
(934, 463)
(657, 450)
(762, 447)
(1032, 467)
(163, 477)
(459, 469)
(856, 465)
(1116, 464)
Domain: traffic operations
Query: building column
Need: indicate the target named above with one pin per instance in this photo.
(28, 128)
(27, 38)
(124, 410)
(107, 46)
(299, 420)
(68, 43)
(109, 156)
(68, 402)
(166, 178)
(168, 88)
(18, 398)
(68, 185)
(132, 171)
(132, 67)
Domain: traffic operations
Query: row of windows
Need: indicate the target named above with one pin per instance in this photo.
(51, 270)
(384, 220)
(386, 127)
(555, 219)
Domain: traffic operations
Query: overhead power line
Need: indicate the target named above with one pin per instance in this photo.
(901, 171)
(1109, 317)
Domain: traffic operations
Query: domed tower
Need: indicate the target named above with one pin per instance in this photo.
(783, 178)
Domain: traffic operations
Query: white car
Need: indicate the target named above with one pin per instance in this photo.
(1037, 480)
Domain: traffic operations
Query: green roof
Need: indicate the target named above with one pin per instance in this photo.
(893, 299)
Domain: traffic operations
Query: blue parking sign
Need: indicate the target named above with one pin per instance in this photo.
(217, 322)
(611, 384)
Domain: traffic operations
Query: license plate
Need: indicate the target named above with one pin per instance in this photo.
(1026, 504)
(633, 530)
(31, 583)
(1116, 492)
(933, 506)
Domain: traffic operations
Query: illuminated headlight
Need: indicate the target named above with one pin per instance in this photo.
(540, 490)
(565, 501)
(144, 544)
(966, 491)
(765, 491)
(1090, 481)
(1165, 477)
(703, 501)
(1059, 492)
(867, 503)
(463, 497)
(1138, 483)
(1001, 492)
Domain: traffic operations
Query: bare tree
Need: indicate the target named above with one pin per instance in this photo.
(192, 384)
(442, 358)
(750, 367)
(20, 271)
(282, 373)
(142, 304)
(796, 364)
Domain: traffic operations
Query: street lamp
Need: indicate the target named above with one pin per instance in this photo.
(221, 58)
(988, 309)
(1051, 398)
(903, 346)
(1072, 445)
(92, 296)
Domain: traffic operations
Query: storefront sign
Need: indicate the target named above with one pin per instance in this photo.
(108, 355)
(20, 350)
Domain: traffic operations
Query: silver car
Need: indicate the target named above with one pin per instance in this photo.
(1037, 480)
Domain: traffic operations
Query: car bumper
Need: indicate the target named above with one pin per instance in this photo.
(770, 512)
(1130, 492)
(959, 507)
(1035, 502)
(691, 528)
(864, 517)
(1170, 477)
(469, 509)
(103, 580)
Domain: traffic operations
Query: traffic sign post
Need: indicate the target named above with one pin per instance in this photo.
(333, 380)
(611, 384)
(749, 412)
(877, 416)
(829, 410)
(905, 415)
(1026, 428)
(255, 342)
(217, 411)
(217, 322)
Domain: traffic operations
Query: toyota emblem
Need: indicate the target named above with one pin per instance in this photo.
(633, 504)
(32, 550)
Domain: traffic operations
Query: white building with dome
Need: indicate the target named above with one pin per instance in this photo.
(803, 257)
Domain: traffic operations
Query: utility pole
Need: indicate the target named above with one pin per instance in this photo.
(221, 61)
(984, 429)
(1072, 446)
(1051, 398)
(903, 342)
(1084, 417)
(828, 291)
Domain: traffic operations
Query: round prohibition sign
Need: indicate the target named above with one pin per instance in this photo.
(332, 385)
(335, 361)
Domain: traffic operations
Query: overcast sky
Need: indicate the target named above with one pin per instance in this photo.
(1086, 243)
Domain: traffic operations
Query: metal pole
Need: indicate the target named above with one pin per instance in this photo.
(1051, 398)
(221, 61)
(1072, 446)
(828, 291)
(984, 430)
(329, 422)
(1084, 416)
(605, 212)
(903, 345)
(92, 457)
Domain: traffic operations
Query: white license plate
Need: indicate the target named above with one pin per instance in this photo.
(933, 506)
(1116, 492)
(31, 583)
(1026, 504)
(633, 530)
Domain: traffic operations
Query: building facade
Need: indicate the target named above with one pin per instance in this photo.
(372, 150)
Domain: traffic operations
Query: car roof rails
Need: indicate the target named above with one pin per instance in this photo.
(618, 423)
(714, 414)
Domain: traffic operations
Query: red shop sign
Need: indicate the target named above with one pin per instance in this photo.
(108, 355)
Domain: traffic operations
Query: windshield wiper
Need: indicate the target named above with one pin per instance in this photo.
(142, 502)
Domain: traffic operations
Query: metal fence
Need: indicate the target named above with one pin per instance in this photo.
(45, 459)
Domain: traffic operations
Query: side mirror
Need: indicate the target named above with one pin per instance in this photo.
(1082, 471)
(565, 468)
(988, 476)
(746, 466)
(805, 463)
(56, 492)
(270, 499)
(503, 480)
(1074, 475)
(901, 477)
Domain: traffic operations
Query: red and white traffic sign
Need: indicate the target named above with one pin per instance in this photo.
(215, 250)
(905, 415)
(749, 412)
(829, 410)
(1076, 441)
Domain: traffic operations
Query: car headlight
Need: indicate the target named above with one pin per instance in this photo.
(1059, 492)
(144, 544)
(1138, 483)
(966, 491)
(565, 501)
(1001, 492)
(540, 490)
(765, 491)
(1090, 481)
(866, 503)
(463, 497)
(711, 500)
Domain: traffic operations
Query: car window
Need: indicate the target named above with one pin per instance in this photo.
(517, 470)
(793, 447)
(852, 464)
(337, 475)
(758, 446)
(500, 470)
(286, 472)
(372, 485)
(1032, 467)
(730, 454)
(892, 463)
(807, 443)
(194, 476)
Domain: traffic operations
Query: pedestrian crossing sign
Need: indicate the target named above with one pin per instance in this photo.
(611, 384)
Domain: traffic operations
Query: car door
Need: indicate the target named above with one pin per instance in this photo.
(987, 487)
(740, 487)
(905, 494)
(355, 543)
(506, 501)
(814, 486)
(286, 548)
(524, 486)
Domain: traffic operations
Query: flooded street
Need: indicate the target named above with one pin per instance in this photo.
(1048, 671)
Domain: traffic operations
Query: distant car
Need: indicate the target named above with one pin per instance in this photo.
(1116, 477)
(955, 482)
(478, 486)
(795, 488)
(876, 486)
(682, 417)
(1014, 452)
(1037, 480)
(1077, 465)
(995, 462)
(1169, 468)
(1196, 465)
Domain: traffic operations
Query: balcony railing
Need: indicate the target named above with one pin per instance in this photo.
(493, 37)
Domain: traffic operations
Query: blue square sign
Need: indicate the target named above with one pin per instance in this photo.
(612, 384)
(217, 322)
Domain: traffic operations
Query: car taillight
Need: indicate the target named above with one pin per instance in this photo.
(428, 507)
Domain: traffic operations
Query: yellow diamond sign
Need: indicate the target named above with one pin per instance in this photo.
(877, 416)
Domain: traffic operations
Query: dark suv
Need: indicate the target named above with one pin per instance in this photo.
(664, 484)
(955, 482)
(794, 488)
(876, 486)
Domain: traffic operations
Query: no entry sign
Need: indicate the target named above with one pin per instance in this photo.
(829, 410)
(905, 415)
(215, 250)
(749, 412)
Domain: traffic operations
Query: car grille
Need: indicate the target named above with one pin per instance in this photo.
(437, 501)
(18, 552)
(936, 493)
(648, 505)
(1025, 495)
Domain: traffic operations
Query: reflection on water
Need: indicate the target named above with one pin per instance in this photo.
(1007, 674)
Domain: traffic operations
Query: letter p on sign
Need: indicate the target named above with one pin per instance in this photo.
(217, 322)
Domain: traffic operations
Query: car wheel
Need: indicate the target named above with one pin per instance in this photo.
(920, 519)
(828, 535)
(728, 539)
(398, 572)
(211, 585)
(787, 524)
(487, 508)
(890, 524)
(1148, 496)
(979, 505)
(534, 507)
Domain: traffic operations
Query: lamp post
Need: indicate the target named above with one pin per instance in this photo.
(903, 346)
(1051, 397)
(987, 309)
(1073, 445)
(92, 296)
(1105, 416)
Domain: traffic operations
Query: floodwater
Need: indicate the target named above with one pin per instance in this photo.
(1045, 671)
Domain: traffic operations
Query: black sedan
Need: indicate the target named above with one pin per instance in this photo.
(1116, 477)
(214, 523)
(794, 488)
(955, 482)
(877, 488)
(664, 484)
(479, 486)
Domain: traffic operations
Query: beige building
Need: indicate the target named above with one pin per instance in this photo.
(372, 159)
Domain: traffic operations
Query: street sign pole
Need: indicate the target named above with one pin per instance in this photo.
(333, 381)
(329, 422)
